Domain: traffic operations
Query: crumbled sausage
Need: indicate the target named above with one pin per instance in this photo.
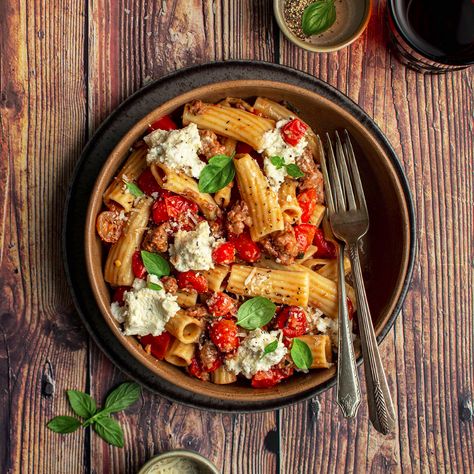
(198, 311)
(282, 245)
(156, 239)
(217, 228)
(170, 285)
(196, 107)
(237, 218)
(313, 176)
(208, 354)
(210, 145)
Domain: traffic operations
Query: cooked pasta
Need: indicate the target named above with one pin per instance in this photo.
(320, 347)
(186, 299)
(180, 354)
(221, 376)
(289, 205)
(185, 328)
(215, 277)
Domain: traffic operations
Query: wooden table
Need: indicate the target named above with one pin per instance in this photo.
(64, 67)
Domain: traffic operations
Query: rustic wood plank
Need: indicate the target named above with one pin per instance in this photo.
(43, 346)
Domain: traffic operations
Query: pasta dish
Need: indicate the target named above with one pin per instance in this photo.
(219, 256)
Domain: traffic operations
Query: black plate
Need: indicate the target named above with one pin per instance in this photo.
(96, 153)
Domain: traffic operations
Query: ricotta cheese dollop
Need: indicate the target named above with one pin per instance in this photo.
(178, 149)
(192, 250)
(251, 357)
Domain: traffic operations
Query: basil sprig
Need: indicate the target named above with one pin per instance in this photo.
(301, 354)
(134, 190)
(155, 264)
(217, 174)
(318, 17)
(153, 286)
(292, 169)
(255, 313)
(271, 347)
(85, 407)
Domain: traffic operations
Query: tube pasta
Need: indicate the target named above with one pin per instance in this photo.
(186, 186)
(221, 376)
(329, 269)
(310, 251)
(317, 215)
(186, 299)
(279, 286)
(180, 354)
(222, 197)
(261, 200)
(117, 190)
(185, 328)
(288, 203)
(118, 267)
(215, 277)
(320, 347)
(229, 145)
(230, 122)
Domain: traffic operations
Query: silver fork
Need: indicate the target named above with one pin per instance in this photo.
(349, 221)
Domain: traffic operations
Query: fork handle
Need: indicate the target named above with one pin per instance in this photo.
(381, 411)
(348, 386)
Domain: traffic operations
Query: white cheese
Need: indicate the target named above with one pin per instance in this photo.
(192, 250)
(117, 312)
(250, 357)
(178, 149)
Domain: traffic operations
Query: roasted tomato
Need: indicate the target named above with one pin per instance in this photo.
(293, 131)
(223, 334)
(326, 248)
(307, 202)
(138, 268)
(304, 234)
(242, 148)
(220, 304)
(163, 123)
(193, 280)
(109, 226)
(147, 183)
(292, 321)
(270, 377)
(173, 207)
(209, 357)
(119, 294)
(158, 344)
(246, 248)
(195, 369)
(225, 253)
(159, 212)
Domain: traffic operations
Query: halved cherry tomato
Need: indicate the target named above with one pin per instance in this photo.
(223, 334)
(269, 378)
(147, 183)
(158, 344)
(159, 212)
(109, 226)
(192, 280)
(307, 202)
(293, 131)
(292, 321)
(326, 248)
(220, 304)
(195, 369)
(138, 268)
(225, 253)
(178, 205)
(246, 248)
(118, 295)
(163, 123)
(304, 234)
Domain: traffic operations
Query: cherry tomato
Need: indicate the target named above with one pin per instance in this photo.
(246, 248)
(163, 123)
(147, 183)
(158, 344)
(220, 304)
(225, 253)
(304, 234)
(269, 378)
(223, 334)
(138, 268)
(195, 369)
(178, 205)
(307, 202)
(192, 280)
(326, 248)
(118, 295)
(159, 212)
(292, 321)
(293, 131)
(109, 226)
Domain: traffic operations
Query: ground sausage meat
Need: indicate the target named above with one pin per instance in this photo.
(237, 218)
(170, 285)
(217, 228)
(282, 245)
(210, 145)
(313, 176)
(208, 355)
(156, 238)
(198, 311)
(196, 107)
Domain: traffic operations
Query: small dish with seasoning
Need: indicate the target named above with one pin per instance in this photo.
(179, 462)
(322, 26)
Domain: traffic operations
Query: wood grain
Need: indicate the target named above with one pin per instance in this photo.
(63, 69)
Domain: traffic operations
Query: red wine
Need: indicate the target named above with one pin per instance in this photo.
(440, 30)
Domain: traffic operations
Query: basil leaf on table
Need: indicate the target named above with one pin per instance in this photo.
(134, 190)
(64, 424)
(277, 161)
(217, 174)
(271, 347)
(301, 354)
(294, 171)
(122, 397)
(155, 264)
(109, 430)
(255, 313)
(82, 403)
(318, 17)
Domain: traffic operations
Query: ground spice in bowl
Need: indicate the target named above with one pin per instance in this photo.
(293, 11)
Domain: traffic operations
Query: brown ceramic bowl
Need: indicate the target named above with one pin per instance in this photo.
(387, 247)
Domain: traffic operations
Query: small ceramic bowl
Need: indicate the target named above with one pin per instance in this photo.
(174, 458)
(352, 17)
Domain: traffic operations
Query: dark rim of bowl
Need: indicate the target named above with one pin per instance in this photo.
(238, 69)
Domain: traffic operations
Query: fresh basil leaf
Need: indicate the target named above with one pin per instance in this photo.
(294, 171)
(153, 286)
(134, 190)
(122, 397)
(271, 347)
(255, 313)
(82, 403)
(109, 430)
(217, 174)
(277, 161)
(64, 424)
(155, 264)
(318, 17)
(301, 354)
